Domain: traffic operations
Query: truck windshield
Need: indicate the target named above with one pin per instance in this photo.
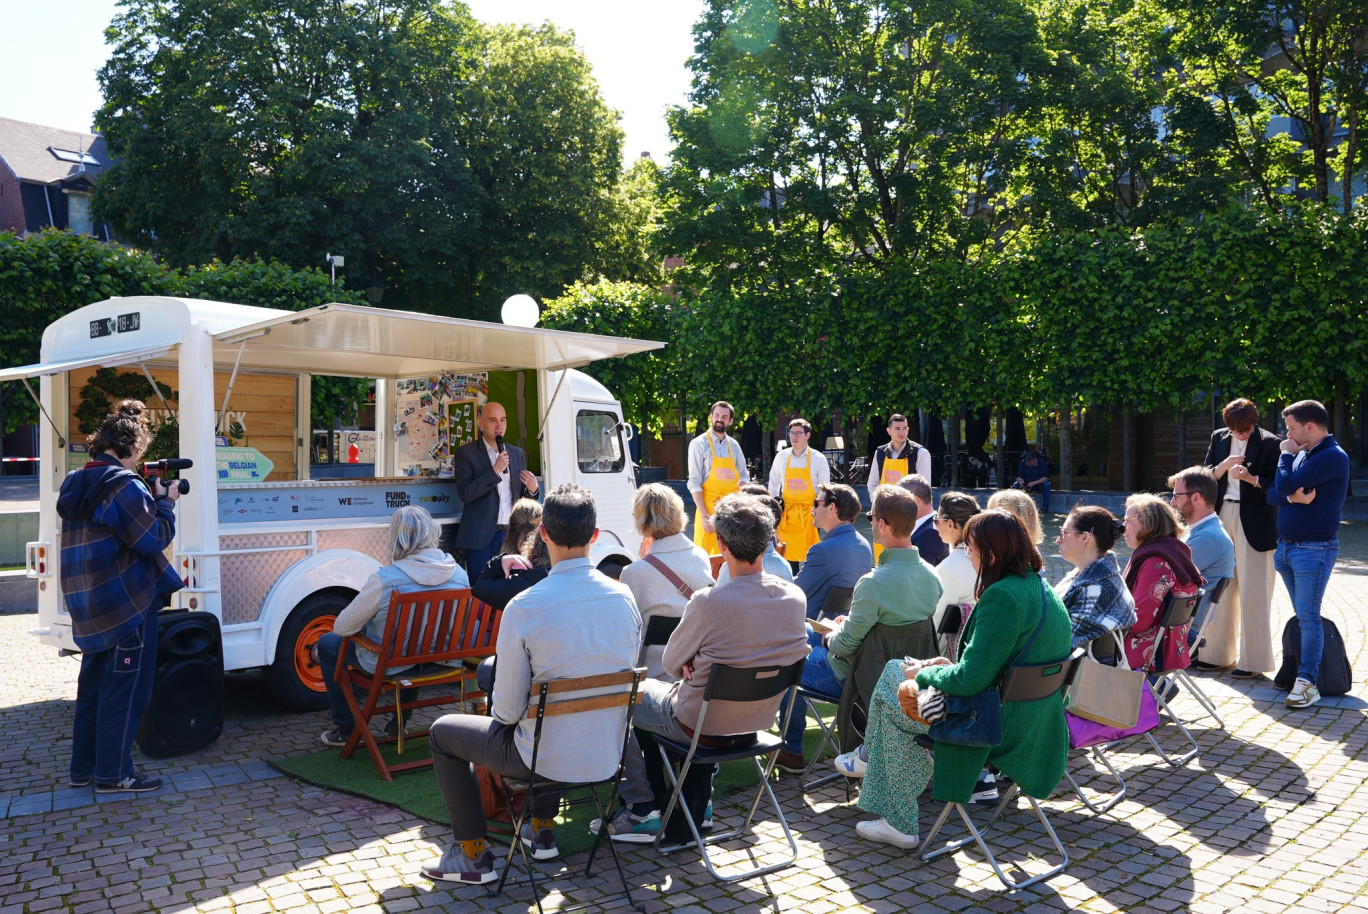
(598, 442)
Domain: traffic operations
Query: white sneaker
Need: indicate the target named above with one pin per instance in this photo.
(879, 830)
(850, 764)
(1303, 695)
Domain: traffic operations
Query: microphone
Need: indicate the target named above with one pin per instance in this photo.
(169, 465)
(498, 443)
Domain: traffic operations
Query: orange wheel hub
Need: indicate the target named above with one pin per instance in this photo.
(310, 673)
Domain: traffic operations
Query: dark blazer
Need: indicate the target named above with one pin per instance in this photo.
(1258, 518)
(477, 485)
(929, 543)
(839, 560)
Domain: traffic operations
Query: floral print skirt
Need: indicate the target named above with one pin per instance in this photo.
(899, 769)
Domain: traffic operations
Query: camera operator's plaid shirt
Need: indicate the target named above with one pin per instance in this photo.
(114, 536)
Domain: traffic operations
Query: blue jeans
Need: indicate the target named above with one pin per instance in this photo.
(477, 559)
(1305, 569)
(113, 690)
(1044, 490)
(329, 646)
(817, 675)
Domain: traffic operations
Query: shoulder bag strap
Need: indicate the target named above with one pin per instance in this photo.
(670, 576)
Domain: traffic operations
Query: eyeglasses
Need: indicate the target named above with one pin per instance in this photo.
(796, 431)
(875, 517)
(1065, 531)
(1177, 495)
(945, 517)
(818, 504)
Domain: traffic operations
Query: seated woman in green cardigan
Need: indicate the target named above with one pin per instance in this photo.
(1035, 738)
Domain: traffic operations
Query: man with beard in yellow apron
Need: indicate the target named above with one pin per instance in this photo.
(716, 468)
(896, 459)
(794, 477)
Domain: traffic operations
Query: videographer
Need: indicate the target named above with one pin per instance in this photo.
(115, 578)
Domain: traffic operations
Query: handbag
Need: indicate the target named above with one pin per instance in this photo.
(1084, 733)
(492, 796)
(976, 720)
(1109, 695)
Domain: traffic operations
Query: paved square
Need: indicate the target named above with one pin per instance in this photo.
(1269, 818)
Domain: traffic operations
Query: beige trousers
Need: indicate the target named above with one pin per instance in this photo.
(1242, 618)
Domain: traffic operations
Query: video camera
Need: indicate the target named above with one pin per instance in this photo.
(155, 469)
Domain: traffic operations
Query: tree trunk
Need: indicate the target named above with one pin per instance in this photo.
(1339, 418)
(1182, 439)
(684, 438)
(1127, 447)
(1001, 447)
(1066, 472)
(953, 439)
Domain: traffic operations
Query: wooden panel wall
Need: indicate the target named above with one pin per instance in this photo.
(263, 403)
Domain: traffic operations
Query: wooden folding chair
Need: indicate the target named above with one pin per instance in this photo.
(553, 698)
(429, 634)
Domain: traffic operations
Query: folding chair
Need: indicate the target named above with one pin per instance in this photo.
(1107, 647)
(424, 631)
(727, 683)
(1033, 682)
(846, 730)
(1177, 612)
(717, 562)
(553, 698)
(1205, 612)
(836, 602)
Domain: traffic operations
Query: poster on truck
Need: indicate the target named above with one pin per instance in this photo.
(435, 415)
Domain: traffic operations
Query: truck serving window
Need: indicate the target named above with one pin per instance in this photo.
(598, 442)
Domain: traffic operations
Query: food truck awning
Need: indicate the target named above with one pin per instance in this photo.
(110, 360)
(357, 341)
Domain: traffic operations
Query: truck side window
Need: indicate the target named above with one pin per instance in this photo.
(598, 442)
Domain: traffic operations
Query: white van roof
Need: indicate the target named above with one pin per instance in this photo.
(332, 339)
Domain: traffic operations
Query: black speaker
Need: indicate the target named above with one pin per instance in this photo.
(186, 712)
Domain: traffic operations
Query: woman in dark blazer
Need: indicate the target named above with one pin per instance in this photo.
(1244, 458)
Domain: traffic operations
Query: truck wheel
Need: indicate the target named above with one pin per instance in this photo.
(293, 677)
(612, 566)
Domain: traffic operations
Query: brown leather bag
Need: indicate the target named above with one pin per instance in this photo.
(492, 796)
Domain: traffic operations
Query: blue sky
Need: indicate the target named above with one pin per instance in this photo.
(637, 49)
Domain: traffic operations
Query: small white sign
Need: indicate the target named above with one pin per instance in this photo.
(242, 464)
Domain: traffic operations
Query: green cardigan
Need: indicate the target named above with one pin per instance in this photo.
(1035, 739)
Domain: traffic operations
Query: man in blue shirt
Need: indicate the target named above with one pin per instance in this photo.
(1213, 552)
(843, 556)
(1309, 489)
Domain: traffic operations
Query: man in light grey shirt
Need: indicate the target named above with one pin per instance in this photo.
(576, 622)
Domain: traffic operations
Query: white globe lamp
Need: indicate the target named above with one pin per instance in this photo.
(521, 311)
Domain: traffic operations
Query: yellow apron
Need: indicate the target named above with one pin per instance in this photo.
(722, 480)
(796, 529)
(893, 470)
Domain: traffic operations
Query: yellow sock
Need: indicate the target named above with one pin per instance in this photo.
(473, 849)
(539, 824)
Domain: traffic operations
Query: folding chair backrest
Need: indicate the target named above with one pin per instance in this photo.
(1215, 593)
(837, 602)
(1179, 610)
(659, 629)
(424, 626)
(556, 697)
(730, 683)
(1034, 681)
(1103, 648)
(881, 644)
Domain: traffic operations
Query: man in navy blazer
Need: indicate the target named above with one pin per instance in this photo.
(925, 536)
(488, 480)
(843, 556)
(1244, 459)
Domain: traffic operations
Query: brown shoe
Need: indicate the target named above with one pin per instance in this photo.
(790, 762)
(1244, 674)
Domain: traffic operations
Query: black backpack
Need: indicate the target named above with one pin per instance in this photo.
(1336, 677)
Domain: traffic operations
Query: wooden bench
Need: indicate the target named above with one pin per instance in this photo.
(432, 639)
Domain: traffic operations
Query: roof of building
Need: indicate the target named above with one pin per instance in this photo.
(33, 152)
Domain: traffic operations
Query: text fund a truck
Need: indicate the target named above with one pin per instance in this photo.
(270, 551)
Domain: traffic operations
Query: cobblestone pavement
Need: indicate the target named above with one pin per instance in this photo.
(1268, 818)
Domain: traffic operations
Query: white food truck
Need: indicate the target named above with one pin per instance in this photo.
(269, 551)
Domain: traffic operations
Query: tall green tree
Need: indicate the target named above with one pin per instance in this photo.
(452, 162)
(1287, 79)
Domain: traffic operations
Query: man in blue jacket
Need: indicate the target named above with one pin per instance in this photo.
(843, 556)
(115, 579)
(1309, 489)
